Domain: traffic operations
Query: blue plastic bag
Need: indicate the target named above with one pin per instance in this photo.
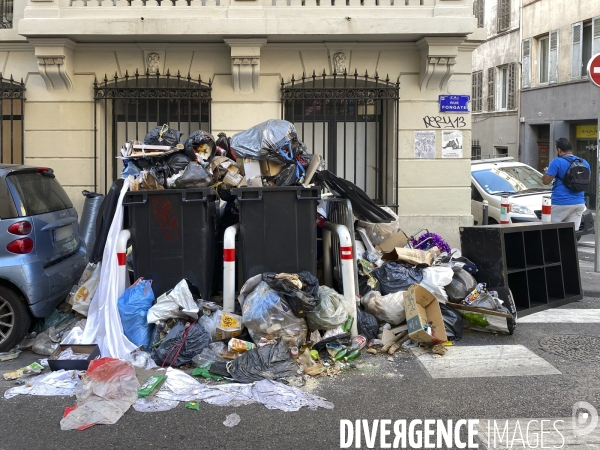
(133, 305)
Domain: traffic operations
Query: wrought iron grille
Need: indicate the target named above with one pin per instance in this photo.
(352, 122)
(12, 100)
(127, 108)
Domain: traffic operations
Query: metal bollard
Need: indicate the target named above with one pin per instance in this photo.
(124, 236)
(546, 209)
(229, 268)
(485, 217)
(504, 210)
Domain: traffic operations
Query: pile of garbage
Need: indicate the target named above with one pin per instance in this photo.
(412, 291)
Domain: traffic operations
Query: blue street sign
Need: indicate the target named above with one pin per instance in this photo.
(454, 103)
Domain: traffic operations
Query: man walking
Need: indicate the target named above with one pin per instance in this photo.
(568, 203)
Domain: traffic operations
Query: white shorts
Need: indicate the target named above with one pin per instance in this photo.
(568, 213)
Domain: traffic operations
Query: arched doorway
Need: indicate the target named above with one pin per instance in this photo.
(127, 108)
(352, 122)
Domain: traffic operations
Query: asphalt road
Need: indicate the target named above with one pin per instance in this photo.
(398, 389)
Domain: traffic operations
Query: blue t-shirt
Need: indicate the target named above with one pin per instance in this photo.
(562, 195)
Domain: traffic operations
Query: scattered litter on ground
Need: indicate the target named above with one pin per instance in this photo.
(231, 420)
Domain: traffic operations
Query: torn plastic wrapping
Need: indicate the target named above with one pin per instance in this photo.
(301, 300)
(133, 305)
(181, 344)
(105, 393)
(268, 362)
(200, 145)
(264, 141)
(163, 136)
(379, 232)
(388, 308)
(267, 316)
(331, 311)
(175, 304)
(210, 354)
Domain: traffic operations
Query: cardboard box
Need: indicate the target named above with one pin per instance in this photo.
(423, 309)
(270, 168)
(411, 256)
(73, 364)
(230, 326)
(400, 239)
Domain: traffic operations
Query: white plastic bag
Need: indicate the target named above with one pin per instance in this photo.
(86, 288)
(176, 304)
(388, 308)
(379, 232)
(329, 313)
(435, 279)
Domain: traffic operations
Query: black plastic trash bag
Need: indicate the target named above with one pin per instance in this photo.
(162, 136)
(453, 323)
(362, 206)
(367, 325)
(340, 339)
(268, 140)
(194, 143)
(270, 362)
(181, 345)
(194, 176)
(394, 277)
(176, 162)
(301, 301)
(223, 143)
(462, 283)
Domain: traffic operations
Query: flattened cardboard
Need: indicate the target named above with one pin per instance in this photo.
(411, 256)
(270, 168)
(400, 239)
(422, 308)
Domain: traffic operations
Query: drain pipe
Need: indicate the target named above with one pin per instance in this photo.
(229, 268)
(122, 260)
(347, 261)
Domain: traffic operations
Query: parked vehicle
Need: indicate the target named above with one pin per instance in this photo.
(522, 184)
(41, 253)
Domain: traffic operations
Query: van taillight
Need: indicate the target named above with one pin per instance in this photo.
(20, 228)
(20, 246)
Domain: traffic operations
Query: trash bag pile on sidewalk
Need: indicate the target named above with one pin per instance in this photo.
(412, 291)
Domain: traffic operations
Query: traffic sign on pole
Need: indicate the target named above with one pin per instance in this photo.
(594, 76)
(594, 69)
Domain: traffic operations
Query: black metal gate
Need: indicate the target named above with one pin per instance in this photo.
(12, 99)
(352, 122)
(127, 108)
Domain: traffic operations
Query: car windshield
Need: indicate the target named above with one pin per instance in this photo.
(510, 180)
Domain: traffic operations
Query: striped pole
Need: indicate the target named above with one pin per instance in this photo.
(504, 210)
(229, 268)
(546, 209)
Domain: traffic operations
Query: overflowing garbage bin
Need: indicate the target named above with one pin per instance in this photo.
(173, 234)
(278, 229)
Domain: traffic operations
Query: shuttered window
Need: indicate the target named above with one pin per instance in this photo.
(526, 70)
(553, 61)
(503, 15)
(491, 94)
(477, 92)
(576, 49)
(478, 8)
(512, 86)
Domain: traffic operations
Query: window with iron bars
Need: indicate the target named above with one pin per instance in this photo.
(127, 108)
(350, 121)
(477, 92)
(491, 94)
(478, 8)
(12, 98)
(503, 15)
(475, 149)
(6, 8)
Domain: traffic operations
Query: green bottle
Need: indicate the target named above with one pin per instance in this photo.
(354, 354)
(348, 324)
(339, 355)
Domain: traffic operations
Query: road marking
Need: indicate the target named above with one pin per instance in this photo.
(481, 361)
(558, 433)
(563, 316)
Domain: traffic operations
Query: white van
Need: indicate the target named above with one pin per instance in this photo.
(522, 184)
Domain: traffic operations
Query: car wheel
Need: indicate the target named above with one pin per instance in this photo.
(14, 319)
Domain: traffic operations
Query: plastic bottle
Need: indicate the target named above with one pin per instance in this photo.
(358, 342)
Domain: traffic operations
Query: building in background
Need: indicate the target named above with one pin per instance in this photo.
(495, 88)
(557, 99)
(359, 78)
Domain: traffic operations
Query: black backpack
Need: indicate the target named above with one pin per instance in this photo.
(577, 178)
